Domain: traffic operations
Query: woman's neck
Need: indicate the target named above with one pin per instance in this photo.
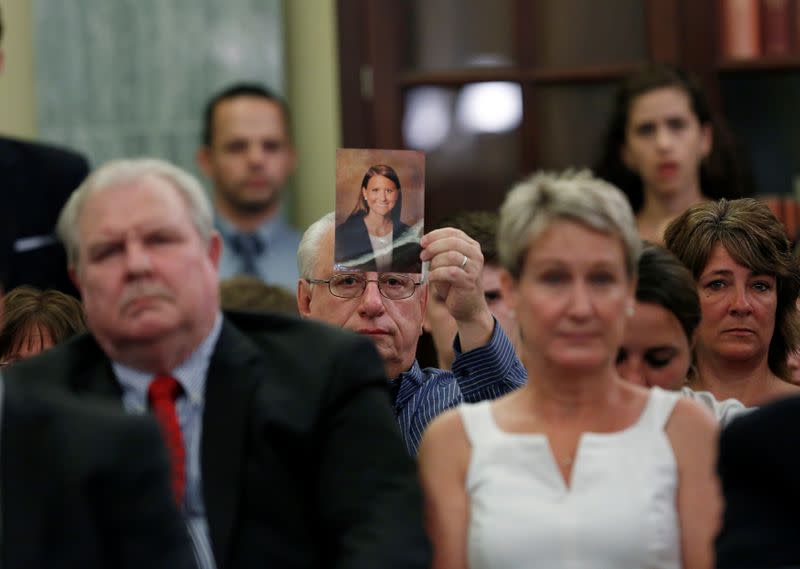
(751, 382)
(659, 209)
(561, 393)
(378, 225)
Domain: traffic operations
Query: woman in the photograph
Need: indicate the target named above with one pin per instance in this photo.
(666, 151)
(373, 238)
(577, 467)
(748, 281)
(657, 347)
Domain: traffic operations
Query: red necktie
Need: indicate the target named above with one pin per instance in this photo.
(161, 394)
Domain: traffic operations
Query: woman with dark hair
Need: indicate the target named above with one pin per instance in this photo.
(656, 350)
(35, 320)
(373, 238)
(748, 280)
(665, 150)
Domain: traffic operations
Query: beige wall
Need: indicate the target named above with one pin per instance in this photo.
(17, 105)
(313, 93)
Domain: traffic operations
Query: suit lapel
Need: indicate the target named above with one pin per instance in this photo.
(26, 456)
(234, 371)
(92, 373)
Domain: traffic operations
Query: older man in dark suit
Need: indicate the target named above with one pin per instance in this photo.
(283, 445)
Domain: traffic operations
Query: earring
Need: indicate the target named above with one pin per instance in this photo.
(630, 310)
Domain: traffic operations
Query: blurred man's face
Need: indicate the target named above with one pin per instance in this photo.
(250, 156)
(143, 270)
(393, 325)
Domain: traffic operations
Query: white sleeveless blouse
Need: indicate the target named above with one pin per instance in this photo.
(618, 513)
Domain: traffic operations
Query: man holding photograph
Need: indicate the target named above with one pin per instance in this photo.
(391, 313)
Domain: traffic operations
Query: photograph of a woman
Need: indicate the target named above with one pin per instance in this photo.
(373, 237)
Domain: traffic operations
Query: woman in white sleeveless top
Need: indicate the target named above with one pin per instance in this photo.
(578, 468)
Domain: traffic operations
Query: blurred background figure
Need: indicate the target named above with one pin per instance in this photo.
(482, 227)
(659, 337)
(665, 150)
(758, 464)
(245, 292)
(747, 279)
(248, 154)
(35, 320)
(532, 478)
(36, 181)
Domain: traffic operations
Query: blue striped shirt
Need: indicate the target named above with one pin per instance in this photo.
(191, 374)
(483, 373)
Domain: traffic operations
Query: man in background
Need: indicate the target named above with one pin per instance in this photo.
(35, 182)
(248, 154)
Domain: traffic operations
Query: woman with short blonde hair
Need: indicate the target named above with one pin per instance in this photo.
(577, 467)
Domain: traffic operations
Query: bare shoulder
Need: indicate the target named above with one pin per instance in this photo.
(445, 435)
(785, 388)
(691, 428)
(693, 415)
(445, 451)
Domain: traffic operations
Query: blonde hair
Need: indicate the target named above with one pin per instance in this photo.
(544, 198)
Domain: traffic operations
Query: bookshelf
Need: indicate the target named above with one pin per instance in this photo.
(562, 59)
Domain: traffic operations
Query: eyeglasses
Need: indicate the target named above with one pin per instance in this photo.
(353, 285)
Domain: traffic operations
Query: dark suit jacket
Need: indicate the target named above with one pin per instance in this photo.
(758, 465)
(302, 461)
(35, 182)
(352, 242)
(83, 486)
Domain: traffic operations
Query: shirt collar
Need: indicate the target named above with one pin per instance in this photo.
(191, 373)
(406, 385)
(269, 231)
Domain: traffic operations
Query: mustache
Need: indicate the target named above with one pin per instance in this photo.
(143, 289)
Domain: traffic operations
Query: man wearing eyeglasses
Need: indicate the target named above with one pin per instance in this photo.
(389, 308)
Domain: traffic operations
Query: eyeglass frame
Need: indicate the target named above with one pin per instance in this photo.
(364, 288)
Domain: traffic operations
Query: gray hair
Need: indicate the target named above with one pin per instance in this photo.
(309, 249)
(544, 198)
(119, 172)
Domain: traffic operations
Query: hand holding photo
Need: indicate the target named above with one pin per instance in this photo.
(379, 210)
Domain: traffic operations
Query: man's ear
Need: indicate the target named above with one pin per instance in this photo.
(203, 159)
(304, 298)
(215, 248)
(423, 300)
(293, 158)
